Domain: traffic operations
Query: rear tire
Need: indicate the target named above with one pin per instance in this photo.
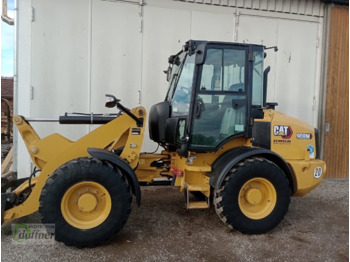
(88, 201)
(254, 197)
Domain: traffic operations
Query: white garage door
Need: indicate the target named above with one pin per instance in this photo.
(294, 77)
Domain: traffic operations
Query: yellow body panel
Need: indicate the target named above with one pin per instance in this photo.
(147, 173)
(294, 150)
(305, 175)
(295, 142)
(293, 147)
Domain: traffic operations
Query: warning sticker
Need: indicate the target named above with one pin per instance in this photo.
(311, 150)
(317, 172)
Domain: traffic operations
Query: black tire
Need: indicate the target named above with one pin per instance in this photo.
(85, 170)
(229, 197)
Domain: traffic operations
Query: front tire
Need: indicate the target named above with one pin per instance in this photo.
(254, 197)
(88, 201)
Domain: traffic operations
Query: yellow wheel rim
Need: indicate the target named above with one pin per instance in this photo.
(86, 205)
(257, 198)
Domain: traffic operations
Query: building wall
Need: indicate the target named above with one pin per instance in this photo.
(81, 50)
(336, 145)
(304, 7)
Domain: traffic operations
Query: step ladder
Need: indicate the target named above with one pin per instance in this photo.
(197, 204)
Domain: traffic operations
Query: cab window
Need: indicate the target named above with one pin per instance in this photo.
(258, 77)
(221, 100)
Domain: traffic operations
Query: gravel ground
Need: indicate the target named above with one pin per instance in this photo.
(316, 228)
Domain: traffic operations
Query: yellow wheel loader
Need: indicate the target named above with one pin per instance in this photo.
(221, 141)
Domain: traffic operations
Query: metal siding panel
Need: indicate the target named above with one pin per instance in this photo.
(316, 9)
(263, 4)
(224, 2)
(248, 4)
(240, 3)
(232, 2)
(256, 4)
(279, 6)
(301, 7)
(322, 9)
(294, 7)
(287, 6)
(271, 5)
(309, 7)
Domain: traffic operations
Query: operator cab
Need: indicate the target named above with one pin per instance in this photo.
(216, 89)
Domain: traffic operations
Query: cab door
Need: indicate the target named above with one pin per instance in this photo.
(220, 110)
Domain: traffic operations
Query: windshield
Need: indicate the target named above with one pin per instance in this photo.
(181, 85)
(175, 71)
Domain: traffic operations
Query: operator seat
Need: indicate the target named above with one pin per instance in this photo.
(233, 120)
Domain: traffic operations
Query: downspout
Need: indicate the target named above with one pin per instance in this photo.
(324, 71)
(15, 94)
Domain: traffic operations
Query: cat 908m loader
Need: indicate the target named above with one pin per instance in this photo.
(220, 138)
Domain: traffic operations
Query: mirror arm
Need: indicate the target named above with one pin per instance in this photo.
(116, 102)
(139, 121)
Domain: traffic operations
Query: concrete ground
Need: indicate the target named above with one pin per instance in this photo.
(316, 228)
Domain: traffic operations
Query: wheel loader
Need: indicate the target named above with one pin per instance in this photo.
(221, 141)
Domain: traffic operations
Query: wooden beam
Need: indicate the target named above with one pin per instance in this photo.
(7, 160)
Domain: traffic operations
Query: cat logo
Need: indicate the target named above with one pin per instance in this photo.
(285, 132)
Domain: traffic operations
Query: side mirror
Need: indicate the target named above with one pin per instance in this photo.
(111, 101)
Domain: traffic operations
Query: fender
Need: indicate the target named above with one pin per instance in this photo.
(116, 160)
(229, 159)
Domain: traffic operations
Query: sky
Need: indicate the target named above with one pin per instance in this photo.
(7, 43)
